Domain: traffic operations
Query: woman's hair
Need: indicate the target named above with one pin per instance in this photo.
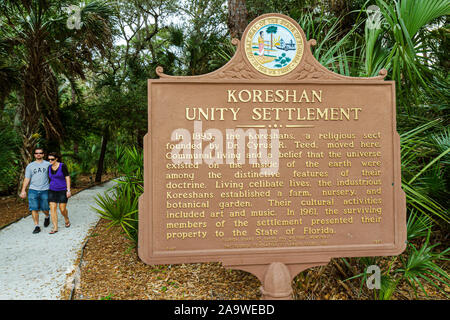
(57, 156)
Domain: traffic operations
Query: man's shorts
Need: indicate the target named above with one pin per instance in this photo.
(38, 200)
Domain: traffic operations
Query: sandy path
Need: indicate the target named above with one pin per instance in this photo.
(34, 266)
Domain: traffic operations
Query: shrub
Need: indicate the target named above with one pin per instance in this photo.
(120, 207)
(120, 204)
(10, 158)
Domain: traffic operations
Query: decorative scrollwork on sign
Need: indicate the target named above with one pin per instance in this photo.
(309, 71)
(239, 70)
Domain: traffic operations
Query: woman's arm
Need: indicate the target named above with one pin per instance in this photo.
(67, 176)
(68, 186)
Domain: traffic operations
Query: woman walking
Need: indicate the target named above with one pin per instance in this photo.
(59, 191)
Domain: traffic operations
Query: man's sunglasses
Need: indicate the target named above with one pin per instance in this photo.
(38, 153)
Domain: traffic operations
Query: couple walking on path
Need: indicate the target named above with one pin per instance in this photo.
(49, 186)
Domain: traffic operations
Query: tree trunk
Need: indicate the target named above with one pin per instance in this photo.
(2, 103)
(30, 111)
(26, 153)
(140, 137)
(237, 18)
(29, 115)
(53, 127)
(101, 160)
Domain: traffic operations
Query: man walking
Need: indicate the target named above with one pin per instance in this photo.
(36, 174)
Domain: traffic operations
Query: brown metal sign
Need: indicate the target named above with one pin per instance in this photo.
(271, 164)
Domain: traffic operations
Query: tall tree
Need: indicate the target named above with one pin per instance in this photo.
(291, 8)
(49, 46)
(398, 45)
(121, 77)
(201, 32)
(237, 18)
(9, 79)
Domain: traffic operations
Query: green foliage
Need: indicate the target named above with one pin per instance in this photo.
(404, 54)
(222, 54)
(420, 265)
(387, 288)
(48, 49)
(419, 155)
(417, 225)
(9, 158)
(292, 8)
(108, 297)
(441, 141)
(199, 36)
(131, 167)
(74, 172)
(334, 49)
(424, 152)
(85, 160)
(120, 205)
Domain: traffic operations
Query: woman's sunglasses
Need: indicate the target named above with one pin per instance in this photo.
(51, 159)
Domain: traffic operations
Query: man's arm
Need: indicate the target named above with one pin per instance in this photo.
(23, 193)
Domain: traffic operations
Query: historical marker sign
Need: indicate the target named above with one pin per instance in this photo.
(271, 160)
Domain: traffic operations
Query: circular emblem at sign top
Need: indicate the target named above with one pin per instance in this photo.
(274, 46)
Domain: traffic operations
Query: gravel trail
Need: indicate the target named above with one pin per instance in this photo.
(35, 266)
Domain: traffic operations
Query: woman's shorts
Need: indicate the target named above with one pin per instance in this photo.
(57, 196)
(38, 200)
